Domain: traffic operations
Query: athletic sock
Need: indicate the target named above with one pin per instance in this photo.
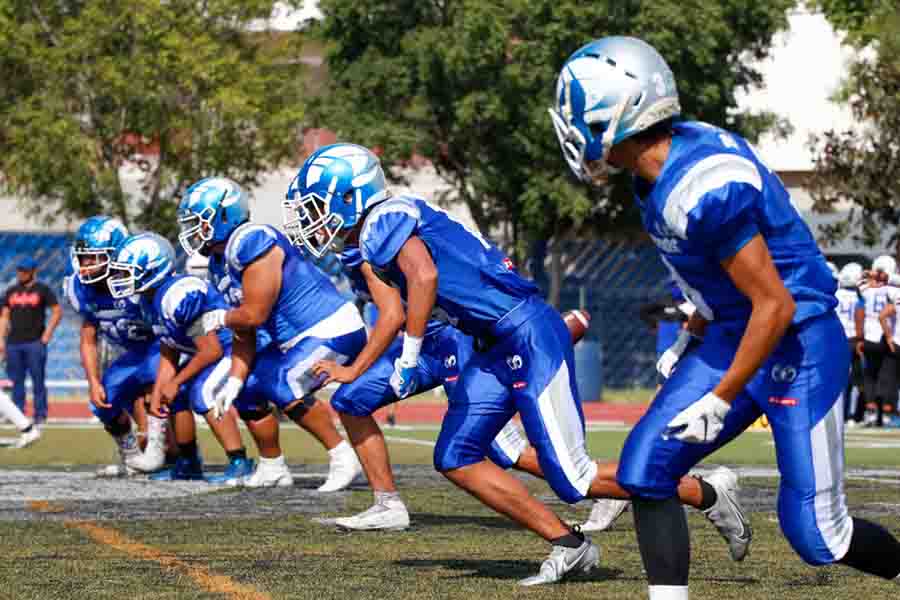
(189, 450)
(573, 539)
(709, 495)
(873, 550)
(239, 453)
(385, 497)
(664, 541)
(668, 592)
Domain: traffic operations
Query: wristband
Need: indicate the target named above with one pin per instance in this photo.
(412, 347)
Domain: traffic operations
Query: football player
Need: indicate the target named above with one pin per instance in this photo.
(525, 363)
(174, 305)
(880, 362)
(727, 230)
(119, 394)
(279, 298)
(848, 298)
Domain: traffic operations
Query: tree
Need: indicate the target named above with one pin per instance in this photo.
(861, 165)
(90, 85)
(467, 83)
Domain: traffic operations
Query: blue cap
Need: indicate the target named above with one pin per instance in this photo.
(27, 264)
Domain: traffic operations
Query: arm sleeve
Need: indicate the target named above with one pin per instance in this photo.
(386, 230)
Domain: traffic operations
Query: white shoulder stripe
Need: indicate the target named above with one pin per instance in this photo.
(711, 173)
(69, 286)
(394, 205)
(175, 294)
(234, 242)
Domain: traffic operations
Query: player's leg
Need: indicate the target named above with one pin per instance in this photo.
(653, 464)
(807, 426)
(201, 391)
(253, 408)
(291, 388)
(28, 432)
(188, 465)
(116, 420)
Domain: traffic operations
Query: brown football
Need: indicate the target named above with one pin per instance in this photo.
(578, 322)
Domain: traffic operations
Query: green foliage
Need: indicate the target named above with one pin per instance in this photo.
(89, 83)
(861, 166)
(466, 83)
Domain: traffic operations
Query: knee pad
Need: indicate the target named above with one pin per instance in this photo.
(299, 409)
(255, 413)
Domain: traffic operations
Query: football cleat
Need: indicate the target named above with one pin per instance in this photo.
(28, 437)
(563, 560)
(727, 515)
(237, 471)
(604, 513)
(270, 472)
(115, 471)
(381, 516)
(184, 469)
(343, 468)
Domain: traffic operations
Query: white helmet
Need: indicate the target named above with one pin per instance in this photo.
(885, 264)
(850, 275)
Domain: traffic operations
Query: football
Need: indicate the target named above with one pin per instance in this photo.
(578, 322)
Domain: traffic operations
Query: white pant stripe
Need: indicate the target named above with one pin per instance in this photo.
(215, 380)
(566, 431)
(832, 518)
(511, 442)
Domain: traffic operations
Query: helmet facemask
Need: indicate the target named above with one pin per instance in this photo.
(123, 278)
(309, 221)
(196, 230)
(96, 271)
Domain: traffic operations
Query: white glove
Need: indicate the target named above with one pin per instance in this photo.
(405, 377)
(666, 363)
(213, 320)
(701, 422)
(225, 396)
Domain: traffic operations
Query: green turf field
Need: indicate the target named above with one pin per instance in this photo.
(457, 548)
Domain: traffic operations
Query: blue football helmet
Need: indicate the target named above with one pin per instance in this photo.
(144, 261)
(209, 211)
(96, 243)
(335, 186)
(609, 90)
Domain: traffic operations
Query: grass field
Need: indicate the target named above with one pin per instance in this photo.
(456, 549)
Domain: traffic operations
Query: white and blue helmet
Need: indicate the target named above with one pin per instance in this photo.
(144, 261)
(335, 186)
(209, 211)
(98, 239)
(609, 90)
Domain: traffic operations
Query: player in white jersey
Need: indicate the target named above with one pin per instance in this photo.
(880, 362)
(848, 298)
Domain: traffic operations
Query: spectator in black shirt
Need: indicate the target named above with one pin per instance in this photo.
(24, 334)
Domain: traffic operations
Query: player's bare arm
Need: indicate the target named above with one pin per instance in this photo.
(261, 282)
(753, 273)
(87, 347)
(391, 317)
(415, 261)
(859, 318)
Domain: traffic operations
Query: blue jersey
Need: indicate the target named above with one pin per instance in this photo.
(175, 310)
(477, 284)
(711, 198)
(118, 321)
(220, 278)
(307, 295)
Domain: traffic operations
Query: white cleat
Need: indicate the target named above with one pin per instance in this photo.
(116, 471)
(147, 461)
(604, 513)
(563, 561)
(727, 515)
(343, 468)
(29, 437)
(381, 516)
(270, 472)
